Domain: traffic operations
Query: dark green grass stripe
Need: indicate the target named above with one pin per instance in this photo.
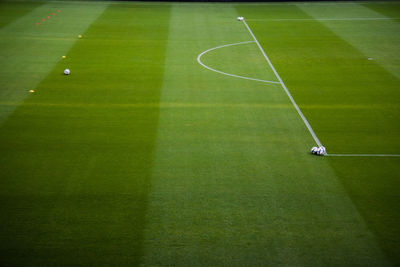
(320, 67)
(323, 70)
(75, 181)
(391, 10)
(10, 11)
(373, 185)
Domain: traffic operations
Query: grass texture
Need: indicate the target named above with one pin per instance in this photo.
(141, 156)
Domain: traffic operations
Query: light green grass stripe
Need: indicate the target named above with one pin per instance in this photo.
(374, 39)
(29, 52)
(192, 105)
(238, 187)
(151, 105)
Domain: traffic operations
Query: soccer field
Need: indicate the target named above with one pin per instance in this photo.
(182, 136)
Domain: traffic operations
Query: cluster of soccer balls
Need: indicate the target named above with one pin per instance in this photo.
(318, 150)
(240, 18)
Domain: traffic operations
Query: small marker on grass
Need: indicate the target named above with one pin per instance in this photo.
(48, 17)
(80, 36)
(63, 57)
(370, 58)
(31, 91)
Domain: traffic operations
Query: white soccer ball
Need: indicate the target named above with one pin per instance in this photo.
(321, 150)
(314, 150)
(240, 18)
(67, 72)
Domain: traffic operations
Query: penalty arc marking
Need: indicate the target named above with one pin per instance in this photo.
(229, 74)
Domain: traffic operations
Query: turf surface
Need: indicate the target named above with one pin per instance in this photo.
(143, 156)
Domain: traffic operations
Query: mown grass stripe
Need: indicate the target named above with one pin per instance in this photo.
(11, 11)
(285, 88)
(326, 63)
(239, 187)
(75, 181)
(28, 52)
(191, 105)
(151, 105)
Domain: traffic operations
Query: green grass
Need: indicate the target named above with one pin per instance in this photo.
(11, 11)
(351, 102)
(143, 157)
(87, 169)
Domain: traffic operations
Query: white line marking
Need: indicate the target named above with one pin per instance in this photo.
(326, 19)
(285, 88)
(233, 75)
(362, 155)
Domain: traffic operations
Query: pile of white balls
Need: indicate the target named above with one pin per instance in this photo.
(318, 151)
(240, 18)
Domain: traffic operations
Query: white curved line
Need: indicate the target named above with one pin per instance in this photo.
(233, 75)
